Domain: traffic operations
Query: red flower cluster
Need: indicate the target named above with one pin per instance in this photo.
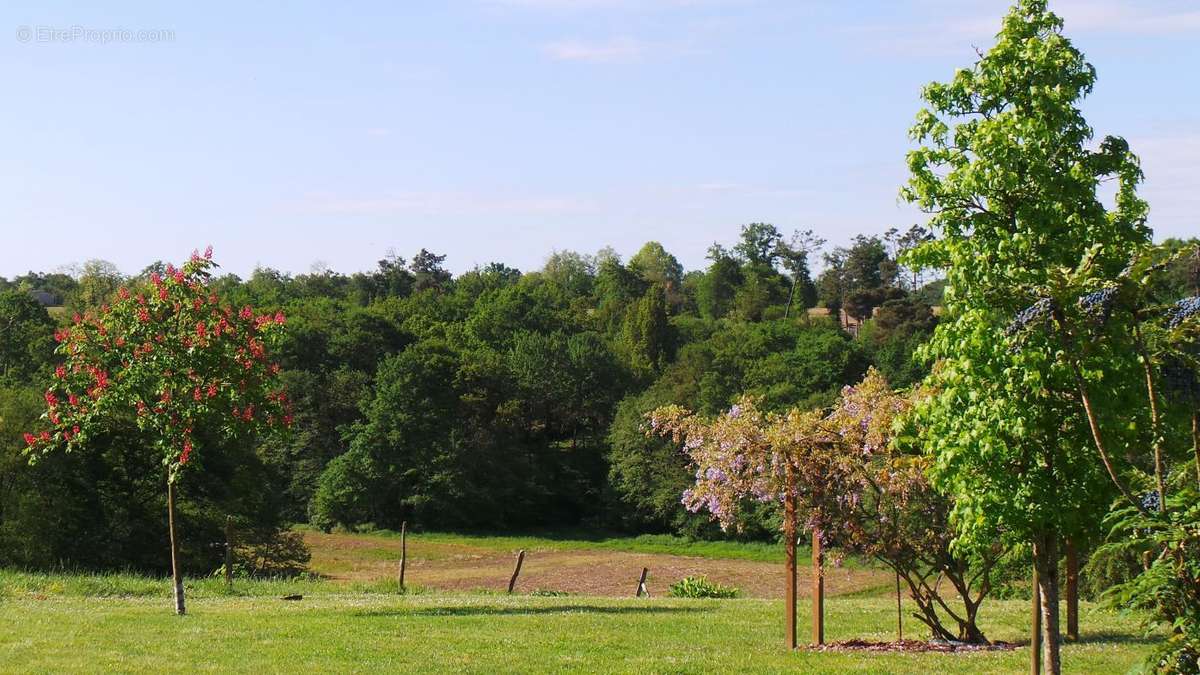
(189, 327)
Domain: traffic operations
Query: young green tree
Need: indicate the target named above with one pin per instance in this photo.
(1007, 171)
(171, 360)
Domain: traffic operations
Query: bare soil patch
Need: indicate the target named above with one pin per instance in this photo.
(350, 557)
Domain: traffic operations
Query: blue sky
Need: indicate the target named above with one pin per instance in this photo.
(291, 134)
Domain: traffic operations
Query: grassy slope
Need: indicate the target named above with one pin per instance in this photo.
(60, 623)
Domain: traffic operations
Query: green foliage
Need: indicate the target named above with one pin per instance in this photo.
(715, 291)
(646, 336)
(1167, 585)
(486, 400)
(701, 587)
(893, 337)
(97, 282)
(1006, 169)
(656, 267)
(785, 362)
(26, 337)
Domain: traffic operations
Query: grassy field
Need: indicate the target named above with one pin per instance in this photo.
(360, 623)
(61, 626)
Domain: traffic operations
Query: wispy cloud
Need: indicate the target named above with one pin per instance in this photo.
(614, 50)
(975, 23)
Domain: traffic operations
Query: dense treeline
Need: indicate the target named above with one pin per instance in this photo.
(494, 399)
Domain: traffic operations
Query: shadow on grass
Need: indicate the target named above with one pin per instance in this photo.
(493, 610)
(1108, 637)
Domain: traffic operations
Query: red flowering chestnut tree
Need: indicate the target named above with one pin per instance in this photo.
(170, 358)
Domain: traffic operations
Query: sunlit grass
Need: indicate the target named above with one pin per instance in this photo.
(60, 623)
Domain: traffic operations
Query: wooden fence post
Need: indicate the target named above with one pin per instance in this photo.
(403, 551)
(1072, 592)
(789, 534)
(513, 581)
(1035, 638)
(818, 589)
(641, 587)
(229, 551)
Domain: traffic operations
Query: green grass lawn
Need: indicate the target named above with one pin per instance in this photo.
(122, 623)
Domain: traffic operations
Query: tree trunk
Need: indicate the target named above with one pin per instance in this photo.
(1045, 558)
(818, 589)
(176, 577)
(1160, 470)
(1196, 442)
(1072, 592)
(1035, 632)
(899, 612)
(789, 536)
(228, 552)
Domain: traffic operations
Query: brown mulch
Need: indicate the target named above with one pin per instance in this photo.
(913, 646)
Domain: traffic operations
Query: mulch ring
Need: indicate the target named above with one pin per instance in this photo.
(911, 646)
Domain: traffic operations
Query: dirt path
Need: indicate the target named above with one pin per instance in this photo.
(349, 557)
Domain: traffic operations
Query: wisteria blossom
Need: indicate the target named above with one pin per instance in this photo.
(851, 484)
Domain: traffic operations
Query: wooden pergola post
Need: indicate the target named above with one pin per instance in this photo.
(818, 590)
(789, 535)
(403, 552)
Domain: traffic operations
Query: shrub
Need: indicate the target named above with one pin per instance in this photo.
(701, 587)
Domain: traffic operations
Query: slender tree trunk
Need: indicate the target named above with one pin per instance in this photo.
(228, 552)
(1072, 591)
(1045, 558)
(1035, 632)
(1196, 442)
(1098, 438)
(1160, 470)
(789, 535)
(176, 577)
